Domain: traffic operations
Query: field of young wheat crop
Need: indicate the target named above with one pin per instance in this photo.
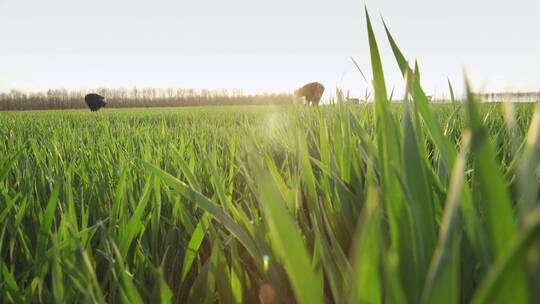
(409, 203)
(207, 204)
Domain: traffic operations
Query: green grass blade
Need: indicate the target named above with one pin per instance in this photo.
(451, 90)
(285, 238)
(135, 223)
(498, 282)
(527, 174)
(6, 164)
(400, 222)
(194, 244)
(213, 209)
(439, 280)
(46, 223)
(422, 203)
(9, 285)
(433, 128)
(500, 223)
(367, 281)
(447, 151)
(165, 294)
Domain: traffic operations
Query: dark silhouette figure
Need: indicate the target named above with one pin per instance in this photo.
(95, 101)
(312, 92)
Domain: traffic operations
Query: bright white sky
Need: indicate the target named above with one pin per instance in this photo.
(258, 46)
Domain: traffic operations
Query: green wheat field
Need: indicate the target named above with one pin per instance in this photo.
(382, 202)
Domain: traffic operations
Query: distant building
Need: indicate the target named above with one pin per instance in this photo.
(510, 97)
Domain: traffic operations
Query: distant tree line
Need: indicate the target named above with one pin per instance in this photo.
(136, 97)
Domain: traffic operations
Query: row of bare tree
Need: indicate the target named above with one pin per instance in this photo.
(135, 97)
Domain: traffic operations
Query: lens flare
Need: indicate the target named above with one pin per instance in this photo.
(266, 261)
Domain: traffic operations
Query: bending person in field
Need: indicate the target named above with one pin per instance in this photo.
(311, 92)
(95, 101)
